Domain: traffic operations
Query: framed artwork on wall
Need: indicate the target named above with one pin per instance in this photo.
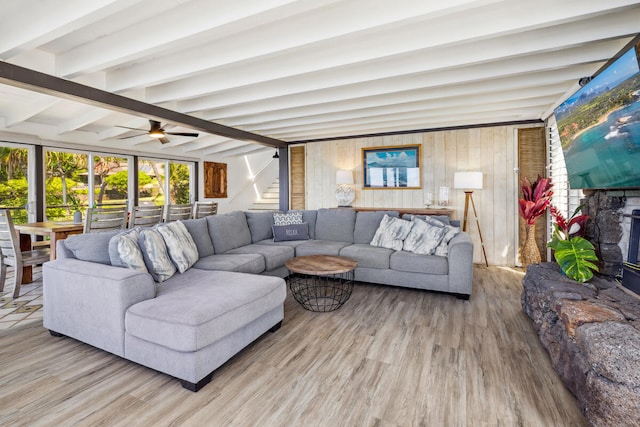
(392, 167)
(215, 180)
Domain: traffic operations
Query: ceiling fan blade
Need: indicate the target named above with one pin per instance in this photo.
(191, 134)
(126, 127)
(163, 140)
(132, 136)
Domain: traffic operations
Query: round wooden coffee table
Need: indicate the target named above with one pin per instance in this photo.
(321, 282)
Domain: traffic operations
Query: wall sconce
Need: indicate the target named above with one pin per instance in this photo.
(344, 193)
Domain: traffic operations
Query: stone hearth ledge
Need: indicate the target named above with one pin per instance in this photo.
(592, 334)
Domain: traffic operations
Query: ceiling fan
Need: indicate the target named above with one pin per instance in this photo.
(156, 131)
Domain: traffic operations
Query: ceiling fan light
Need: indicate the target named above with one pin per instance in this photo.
(156, 134)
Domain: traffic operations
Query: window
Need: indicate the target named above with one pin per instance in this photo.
(153, 187)
(65, 184)
(14, 181)
(111, 180)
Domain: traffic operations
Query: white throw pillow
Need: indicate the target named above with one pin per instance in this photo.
(155, 255)
(180, 245)
(424, 237)
(391, 232)
(124, 250)
(443, 247)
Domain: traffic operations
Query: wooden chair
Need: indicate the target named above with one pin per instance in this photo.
(178, 212)
(11, 255)
(202, 209)
(145, 216)
(105, 218)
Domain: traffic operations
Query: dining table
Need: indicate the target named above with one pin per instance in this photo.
(55, 230)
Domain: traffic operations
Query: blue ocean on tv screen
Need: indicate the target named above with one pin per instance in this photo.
(599, 128)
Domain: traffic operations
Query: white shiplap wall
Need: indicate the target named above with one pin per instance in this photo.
(491, 150)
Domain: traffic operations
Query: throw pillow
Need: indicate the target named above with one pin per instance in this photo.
(443, 247)
(391, 232)
(180, 245)
(93, 247)
(154, 252)
(124, 250)
(424, 237)
(294, 217)
(283, 233)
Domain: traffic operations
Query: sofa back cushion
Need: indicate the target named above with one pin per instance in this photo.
(336, 225)
(310, 216)
(93, 247)
(367, 223)
(199, 231)
(228, 231)
(260, 224)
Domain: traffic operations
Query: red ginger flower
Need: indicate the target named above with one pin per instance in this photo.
(536, 198)
(574, 227)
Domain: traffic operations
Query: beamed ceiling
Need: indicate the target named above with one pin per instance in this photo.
(284, 71)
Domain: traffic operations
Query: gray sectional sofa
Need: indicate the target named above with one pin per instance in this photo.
(192, 323)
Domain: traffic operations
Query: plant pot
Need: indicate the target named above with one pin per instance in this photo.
(529, 253)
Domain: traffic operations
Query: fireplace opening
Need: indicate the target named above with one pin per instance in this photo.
(631, 268)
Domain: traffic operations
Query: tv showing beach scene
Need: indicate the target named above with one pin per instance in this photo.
(599, 128)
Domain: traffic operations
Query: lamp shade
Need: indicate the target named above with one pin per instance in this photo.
(467, 180)
(344, 177)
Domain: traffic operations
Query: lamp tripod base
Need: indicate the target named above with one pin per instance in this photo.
(468, 197)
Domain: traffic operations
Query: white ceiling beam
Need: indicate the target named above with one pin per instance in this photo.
(92, 115)
(38, 22)
(200, 145)
(241, 151)
(204, 141)
(178, 28)
(480, 97)
(371, 59)
(222, 147)
(363, 78)
(328, 21)
(24, 112)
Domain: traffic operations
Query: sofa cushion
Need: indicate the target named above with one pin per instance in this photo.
(155, 255)
(290, 243)
(199, 231)
(124, 250)
(367, 255)
(180, 245)
(391, 233)
(282, 233)
(310, 216)
(443, 247)
(424, 237)
(242, 263)
(410, 262)
(228, 231)
(335, 224)
(320, 247)
(260, 225)
(219, 303)
(274, 256)
(93, 247)
(442, 218)
(367, 223)
(291, 217)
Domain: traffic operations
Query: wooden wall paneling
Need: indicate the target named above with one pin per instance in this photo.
(500, 216)
(428, 173)
(532, 159)
(297, 184)
(511, 199)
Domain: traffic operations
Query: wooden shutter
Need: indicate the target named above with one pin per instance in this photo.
(297, 177)
(215, 180)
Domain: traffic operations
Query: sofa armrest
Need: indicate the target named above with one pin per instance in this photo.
(460, 259)
(88, 301)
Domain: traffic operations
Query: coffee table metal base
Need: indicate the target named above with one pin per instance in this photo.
(321, 292)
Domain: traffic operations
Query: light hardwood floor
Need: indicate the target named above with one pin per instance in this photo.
(388, 357)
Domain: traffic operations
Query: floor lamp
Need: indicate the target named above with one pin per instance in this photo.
(469, 181)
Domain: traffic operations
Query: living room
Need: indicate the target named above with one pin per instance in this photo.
(303, 89)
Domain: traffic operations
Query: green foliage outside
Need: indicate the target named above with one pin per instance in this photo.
(179, 180)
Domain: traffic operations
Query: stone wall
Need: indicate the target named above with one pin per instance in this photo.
(592, 334)
(604, 229)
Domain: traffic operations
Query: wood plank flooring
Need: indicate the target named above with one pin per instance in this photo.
(388, 357)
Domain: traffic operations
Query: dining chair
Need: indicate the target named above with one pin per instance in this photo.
(105, 218)
(178, 212)
(11, 255)
(202, 209)
(145, 216)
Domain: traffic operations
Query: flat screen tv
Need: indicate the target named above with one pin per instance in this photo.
(599, 128)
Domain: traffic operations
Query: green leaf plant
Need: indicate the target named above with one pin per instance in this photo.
(572, 251)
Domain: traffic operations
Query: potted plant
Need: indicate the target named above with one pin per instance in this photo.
(536, 197)
(572, 251)
(76, 203)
